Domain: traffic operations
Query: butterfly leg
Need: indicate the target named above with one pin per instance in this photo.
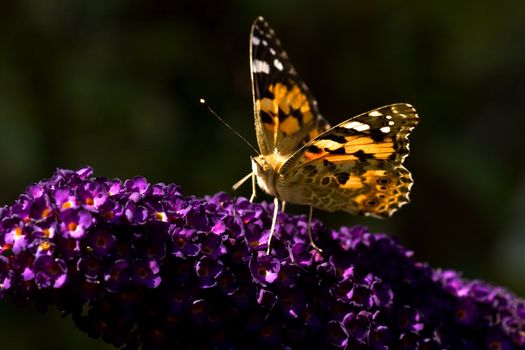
(252, 197)
(243, 180)
(310, 230)
(274, 221)
(283, 205)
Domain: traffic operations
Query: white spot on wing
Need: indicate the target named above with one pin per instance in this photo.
(261, 67)
(391, 123)
(255, 40)
(358, 126)
(328, 144)
(265, 43)
(385, 129)
(278, 64)
(272, 51)
(375, 114)
(388, 117)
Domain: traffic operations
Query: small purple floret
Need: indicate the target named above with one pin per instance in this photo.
(142, 265)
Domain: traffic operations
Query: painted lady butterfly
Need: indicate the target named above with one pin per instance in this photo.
(355, 166)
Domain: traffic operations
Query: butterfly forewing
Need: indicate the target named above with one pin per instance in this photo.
(286, 114)
(356, 166)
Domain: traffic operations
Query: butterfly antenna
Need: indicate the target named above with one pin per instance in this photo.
(203, 102)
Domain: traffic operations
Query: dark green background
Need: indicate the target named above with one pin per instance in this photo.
(115, 85)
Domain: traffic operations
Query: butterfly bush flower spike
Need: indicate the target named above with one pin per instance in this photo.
(142, 265)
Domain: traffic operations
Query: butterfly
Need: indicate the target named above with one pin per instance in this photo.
(355, 166)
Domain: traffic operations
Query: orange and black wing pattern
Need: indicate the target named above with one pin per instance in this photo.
(286, 114)
(356, 166)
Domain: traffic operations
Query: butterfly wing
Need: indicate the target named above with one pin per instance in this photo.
(356, 166)
(286, 114)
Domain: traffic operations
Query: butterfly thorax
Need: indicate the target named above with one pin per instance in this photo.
(266, 170)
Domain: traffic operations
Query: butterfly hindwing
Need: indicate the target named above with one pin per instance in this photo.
(356, 166)
(286, 114)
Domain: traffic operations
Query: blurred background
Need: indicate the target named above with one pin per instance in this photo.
(115, 84)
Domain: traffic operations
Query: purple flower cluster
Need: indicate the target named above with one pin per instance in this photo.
(141, 265)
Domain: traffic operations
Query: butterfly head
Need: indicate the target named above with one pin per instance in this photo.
(265, 174)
